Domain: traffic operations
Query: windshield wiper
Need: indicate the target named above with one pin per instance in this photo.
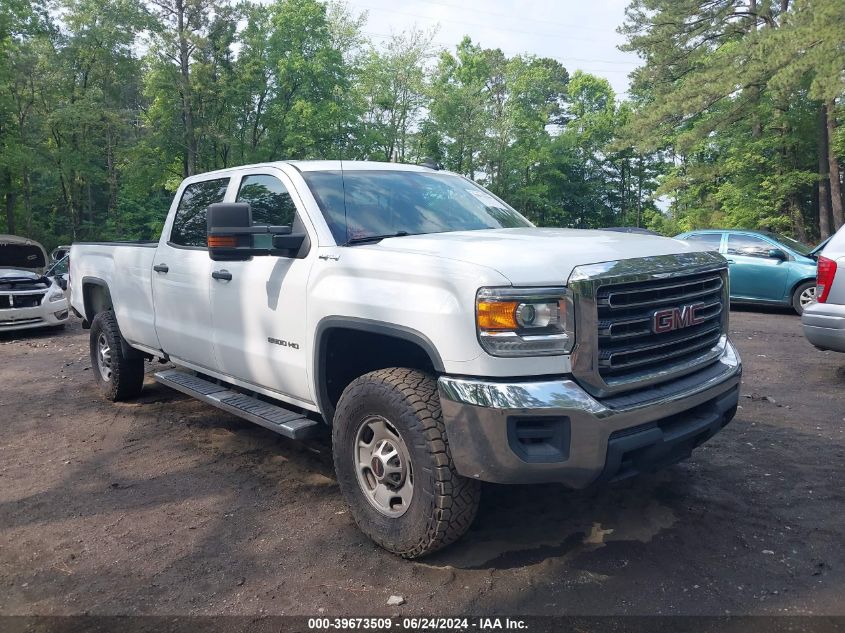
(369, 239)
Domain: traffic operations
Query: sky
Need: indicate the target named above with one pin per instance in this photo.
(581, 34)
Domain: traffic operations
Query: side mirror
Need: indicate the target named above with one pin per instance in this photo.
(776, 253)
(288, 243)
(231, 234)
(62, 281)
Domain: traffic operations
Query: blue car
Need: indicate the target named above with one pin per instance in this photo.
(765, 268)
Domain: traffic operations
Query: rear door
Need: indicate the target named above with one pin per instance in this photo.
(259, 313)
(755, 275)
(182, 277)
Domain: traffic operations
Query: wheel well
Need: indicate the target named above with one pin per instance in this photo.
(96, 298)
(798, 283)
(345, 353)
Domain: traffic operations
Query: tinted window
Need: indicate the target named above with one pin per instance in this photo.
(358, 204)
(707, 241)
(189, 226)
(270, 201)
(748, 245)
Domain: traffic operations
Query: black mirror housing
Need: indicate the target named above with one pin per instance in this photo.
(776, 253)
(289, 243)
(231, 233)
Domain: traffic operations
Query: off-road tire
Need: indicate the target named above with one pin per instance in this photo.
(444, 503)
(796, 296)
(127, 369)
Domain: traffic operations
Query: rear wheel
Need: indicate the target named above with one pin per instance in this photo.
(119, 375)
(803, 296)
(394, 467)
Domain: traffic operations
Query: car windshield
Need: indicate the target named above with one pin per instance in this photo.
(795, 245)
(364, 204)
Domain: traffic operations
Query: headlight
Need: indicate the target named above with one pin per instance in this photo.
(525, 321)
(56, 294)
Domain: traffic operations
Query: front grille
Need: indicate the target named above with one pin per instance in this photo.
(15, 322)
(21, 301)
(628, 343)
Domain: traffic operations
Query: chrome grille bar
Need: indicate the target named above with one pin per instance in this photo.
(621, 343)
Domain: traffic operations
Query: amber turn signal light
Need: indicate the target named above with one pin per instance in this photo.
(222, 241)
(497, 315)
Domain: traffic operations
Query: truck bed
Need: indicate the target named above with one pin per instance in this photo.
(125, 268)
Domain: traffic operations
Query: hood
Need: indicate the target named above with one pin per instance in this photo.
(535, 256)
(22, 253)
(819, 248)
(16, 279)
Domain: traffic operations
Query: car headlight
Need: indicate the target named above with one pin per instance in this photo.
(525, 321)
(56, 294)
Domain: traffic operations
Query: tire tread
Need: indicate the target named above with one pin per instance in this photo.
(456, 499)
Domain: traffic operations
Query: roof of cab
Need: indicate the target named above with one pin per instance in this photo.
(319, 165)
(352, 165)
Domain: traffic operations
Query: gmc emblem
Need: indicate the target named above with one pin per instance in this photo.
(670, 319)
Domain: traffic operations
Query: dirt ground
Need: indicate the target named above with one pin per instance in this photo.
(168, 506)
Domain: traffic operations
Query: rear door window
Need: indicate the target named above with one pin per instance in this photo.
(706, 241)
(189, 225)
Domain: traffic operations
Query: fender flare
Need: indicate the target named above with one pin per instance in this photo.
(371, 326)
(86, 297)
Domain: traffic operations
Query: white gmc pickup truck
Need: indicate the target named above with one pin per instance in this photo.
(441, 337)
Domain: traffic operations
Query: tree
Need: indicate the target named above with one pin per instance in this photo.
(392, 87)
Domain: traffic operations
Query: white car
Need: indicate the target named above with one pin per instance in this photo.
(28, 298)
(441, 337)
(824, 321)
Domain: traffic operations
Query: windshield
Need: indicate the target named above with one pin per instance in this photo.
(795, 245)
(362, 204)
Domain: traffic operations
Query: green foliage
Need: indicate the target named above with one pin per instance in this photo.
(106, 106)
(732, 91)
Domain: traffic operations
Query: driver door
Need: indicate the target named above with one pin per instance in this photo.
(259, 312)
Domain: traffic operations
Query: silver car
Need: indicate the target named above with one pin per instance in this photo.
(29, 298)
(824, 320)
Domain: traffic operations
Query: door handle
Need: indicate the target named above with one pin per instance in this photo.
(223, 275)
(161, 268)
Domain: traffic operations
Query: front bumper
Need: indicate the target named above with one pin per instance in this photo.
(824, 325)
(49, 313)
(554, 431)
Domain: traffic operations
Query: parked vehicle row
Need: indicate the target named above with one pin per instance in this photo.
(765, 268)
(29, 298)
(438, 335)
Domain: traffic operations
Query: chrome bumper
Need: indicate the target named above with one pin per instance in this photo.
(554, 431)
(824, 325)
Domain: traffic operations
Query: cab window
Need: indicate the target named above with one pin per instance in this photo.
(270, 203)
(189, 225)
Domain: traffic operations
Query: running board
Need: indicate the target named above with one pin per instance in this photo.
(271, 416)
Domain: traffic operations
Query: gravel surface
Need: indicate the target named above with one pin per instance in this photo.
(168, 506)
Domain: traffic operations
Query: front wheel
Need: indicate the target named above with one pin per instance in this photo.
(394, 467)
(803, 296)
(118, 374)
